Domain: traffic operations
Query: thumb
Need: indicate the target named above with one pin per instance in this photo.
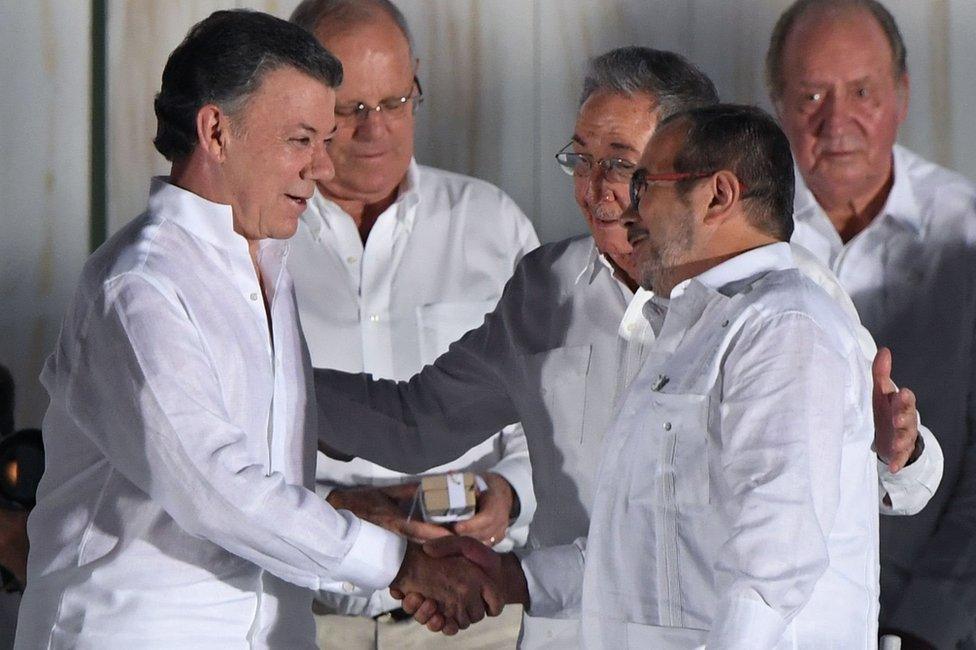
(401, 492)
(468, 547)
(881, 372)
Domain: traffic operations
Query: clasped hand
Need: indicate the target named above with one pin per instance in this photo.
(450, 583)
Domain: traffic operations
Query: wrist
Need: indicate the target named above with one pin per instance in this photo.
(515, 589)
(917, 451)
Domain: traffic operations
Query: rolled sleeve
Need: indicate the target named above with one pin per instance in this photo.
(554, 577)
(515, 467)
(910, 489)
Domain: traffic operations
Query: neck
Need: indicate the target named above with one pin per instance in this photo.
(622, 275)
(851, 212)
(673, 276)
(363, 210)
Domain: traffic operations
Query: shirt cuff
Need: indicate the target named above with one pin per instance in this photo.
(372, 562)
(910, 489)
(554, 577)
(518, 473)
(744, 624)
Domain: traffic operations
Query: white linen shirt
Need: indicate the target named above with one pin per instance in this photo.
(175, 509)
(560, 347)
(435, 262)
(730, 498)
(912, 275)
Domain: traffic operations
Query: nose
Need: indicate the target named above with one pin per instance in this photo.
(320, 166)
(629, 217)
(836, 111)
(371, 125)
(597, 187)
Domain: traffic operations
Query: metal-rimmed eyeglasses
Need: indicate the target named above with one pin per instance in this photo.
(641, 178)
(391, 107)
(615, 170)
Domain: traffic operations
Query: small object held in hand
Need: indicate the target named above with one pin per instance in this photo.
(450, 497)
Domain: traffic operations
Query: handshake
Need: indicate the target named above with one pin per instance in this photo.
(451, 582)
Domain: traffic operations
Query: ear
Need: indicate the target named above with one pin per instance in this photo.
(726, 191)
(902, 90)
(213, 127)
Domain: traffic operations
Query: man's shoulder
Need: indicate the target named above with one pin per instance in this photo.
(790, 294)
(560, 259)
(145, 249)
(938, 188)
(454, 189)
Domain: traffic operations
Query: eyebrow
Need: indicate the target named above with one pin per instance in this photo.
(620, 146)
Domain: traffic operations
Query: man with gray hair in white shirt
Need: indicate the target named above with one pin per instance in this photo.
(900, 234)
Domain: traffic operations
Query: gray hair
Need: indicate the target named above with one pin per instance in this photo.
(309, 14)
(669, 78)
(786, 22)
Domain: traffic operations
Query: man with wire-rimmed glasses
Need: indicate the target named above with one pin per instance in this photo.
(392, 262)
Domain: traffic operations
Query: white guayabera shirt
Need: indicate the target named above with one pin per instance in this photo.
(176, 508)
(735, 498)
(434, 264)
(556, 353)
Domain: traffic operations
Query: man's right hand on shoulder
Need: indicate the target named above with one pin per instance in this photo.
(387, 507)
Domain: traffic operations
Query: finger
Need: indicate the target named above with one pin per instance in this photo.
(412, 602)
(427, 609)
(904, 403)
(450, 627)
(493, 600)
(476, 607)
(482, 527)
(881, 372)
(402, 492)
(447, 546)
(421, 531)
(436, 622)
(396, 593)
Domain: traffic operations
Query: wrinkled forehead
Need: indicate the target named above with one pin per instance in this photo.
(836, 42)
(615, 122)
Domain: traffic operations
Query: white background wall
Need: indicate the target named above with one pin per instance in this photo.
(501, 79)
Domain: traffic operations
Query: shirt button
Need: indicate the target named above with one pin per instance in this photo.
(667, 426)
(254, 296)
(348, 587)
(631, 328)
(374, 318)
(351, 259)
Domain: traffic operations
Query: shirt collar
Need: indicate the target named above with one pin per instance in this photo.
(901, 204)
(322, 212)
(597, 263)
(202, 218)
(728, 277)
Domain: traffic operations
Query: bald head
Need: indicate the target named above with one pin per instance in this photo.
(806, 11)
(324, 18)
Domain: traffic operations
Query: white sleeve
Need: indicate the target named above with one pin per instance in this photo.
(554, 577)
(910, 489)
(514, 467)
(150, 400)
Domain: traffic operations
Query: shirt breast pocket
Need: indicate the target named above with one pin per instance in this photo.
(559, 376)
(440, 324)
(670, 451)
